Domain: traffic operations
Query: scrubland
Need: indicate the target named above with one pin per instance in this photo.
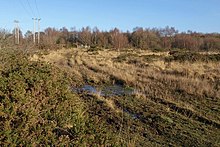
(175, 99)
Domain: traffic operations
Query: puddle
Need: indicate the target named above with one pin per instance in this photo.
(106, 91)
(109, 91)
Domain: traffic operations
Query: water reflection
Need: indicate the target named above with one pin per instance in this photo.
(110, 90)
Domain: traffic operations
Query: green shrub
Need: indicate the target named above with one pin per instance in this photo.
(150, 58)
(37, 106)
(125, 57)
(33, 97)
(192, 57)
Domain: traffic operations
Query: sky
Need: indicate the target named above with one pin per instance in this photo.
(196, 15)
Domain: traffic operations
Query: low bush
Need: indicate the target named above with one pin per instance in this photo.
(150, 58)
(37, 106)
(125, 57)
(192, 57)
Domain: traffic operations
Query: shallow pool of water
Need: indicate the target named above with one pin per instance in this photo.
(110, 90)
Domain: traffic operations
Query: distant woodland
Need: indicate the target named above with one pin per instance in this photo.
(157, 39)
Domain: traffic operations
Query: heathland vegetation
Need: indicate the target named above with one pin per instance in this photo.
(52, 93)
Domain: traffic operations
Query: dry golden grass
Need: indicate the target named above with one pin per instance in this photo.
(191, 88)
(195, 78)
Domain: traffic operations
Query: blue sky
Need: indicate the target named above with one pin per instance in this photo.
(195, 15)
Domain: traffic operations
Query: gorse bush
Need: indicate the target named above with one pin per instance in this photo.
(192, 57)
(37, 106)
(125, 57)
(34, 100)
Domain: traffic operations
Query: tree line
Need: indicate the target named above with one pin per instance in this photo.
(142, 38)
